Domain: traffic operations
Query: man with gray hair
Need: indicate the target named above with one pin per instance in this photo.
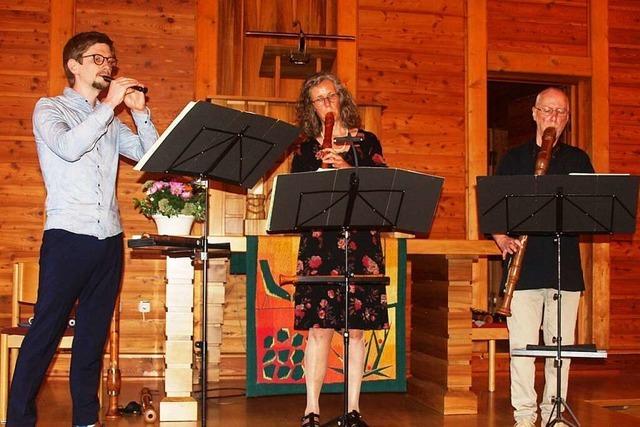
(533, 301)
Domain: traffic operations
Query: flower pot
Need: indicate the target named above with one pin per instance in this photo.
(175, 225)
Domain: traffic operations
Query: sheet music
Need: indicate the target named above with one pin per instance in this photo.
(162, 137)
(598, 174)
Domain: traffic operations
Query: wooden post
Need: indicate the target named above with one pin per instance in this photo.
(599, 12)
(476, 133)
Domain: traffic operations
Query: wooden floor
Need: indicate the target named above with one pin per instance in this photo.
(590, 395)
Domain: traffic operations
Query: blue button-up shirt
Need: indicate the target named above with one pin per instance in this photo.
(78, 148)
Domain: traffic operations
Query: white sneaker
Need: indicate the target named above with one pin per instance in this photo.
(558, 424)
(525, 423)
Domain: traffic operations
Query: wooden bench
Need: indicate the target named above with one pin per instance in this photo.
(491, 333)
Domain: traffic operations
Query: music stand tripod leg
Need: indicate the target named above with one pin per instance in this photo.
(559, 402)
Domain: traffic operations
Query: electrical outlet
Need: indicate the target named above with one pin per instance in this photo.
(144, 306)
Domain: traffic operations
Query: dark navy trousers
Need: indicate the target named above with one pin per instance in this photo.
(73, 267)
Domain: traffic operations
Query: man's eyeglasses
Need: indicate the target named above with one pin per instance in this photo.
(548, 111)
(332, 97)
(99, 59)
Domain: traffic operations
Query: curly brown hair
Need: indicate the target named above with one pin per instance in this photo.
(307, 118)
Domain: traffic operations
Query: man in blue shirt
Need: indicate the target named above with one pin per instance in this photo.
(79, 141)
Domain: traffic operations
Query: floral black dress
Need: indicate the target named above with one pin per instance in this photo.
(323, 253)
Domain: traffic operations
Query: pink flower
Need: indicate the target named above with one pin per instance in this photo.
(357, 304)
(342, 244)
(316, 234)
(370, 265)
(321, 314)
(176, 188)
(315, 262)
(331, 293)
(156, 186)
(186, 195)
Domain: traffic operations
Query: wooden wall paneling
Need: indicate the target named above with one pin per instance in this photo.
(436, 7)
(267, 15)
(347, 55)
(411, 59)
(24, 65)
(230, 47)
(206, 49)
(62, 28)
(624, 128)
(538, 27)
(539, 63)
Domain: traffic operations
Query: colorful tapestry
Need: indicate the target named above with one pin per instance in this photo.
(275, 351)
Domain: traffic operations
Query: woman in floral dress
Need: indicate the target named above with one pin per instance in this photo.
(319, 308)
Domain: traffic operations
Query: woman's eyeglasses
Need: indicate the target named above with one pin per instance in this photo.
(321, 100)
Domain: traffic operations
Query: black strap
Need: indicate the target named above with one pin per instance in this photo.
(310, 420)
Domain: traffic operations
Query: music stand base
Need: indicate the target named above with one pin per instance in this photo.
(342, 421)
(558, 403)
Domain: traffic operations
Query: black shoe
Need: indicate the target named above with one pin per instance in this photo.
(310, 420)
(354, 419)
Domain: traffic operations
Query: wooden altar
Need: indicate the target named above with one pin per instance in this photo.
(441, 340)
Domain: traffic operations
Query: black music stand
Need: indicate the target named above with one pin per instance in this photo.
(558, 205)
(384, 199)
(208, 141)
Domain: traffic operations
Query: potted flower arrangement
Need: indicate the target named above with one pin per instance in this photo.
(170, 202)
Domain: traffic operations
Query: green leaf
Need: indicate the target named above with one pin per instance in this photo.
(283, 372)
(269, 357)
(297, 356)
(282, 335)
(268, 371)
(268, 341)
(297, 340)
(283, 356)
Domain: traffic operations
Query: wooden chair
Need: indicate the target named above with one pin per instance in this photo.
(25, 292)
(491, 334)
